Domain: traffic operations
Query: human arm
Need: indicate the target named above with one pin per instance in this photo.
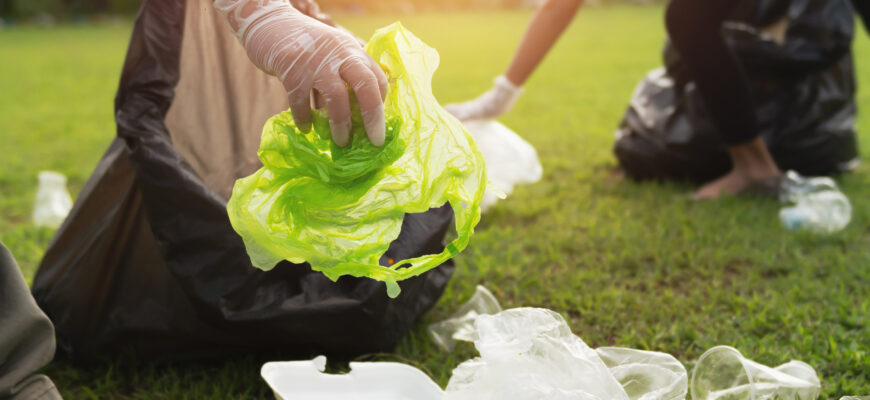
(549, 22)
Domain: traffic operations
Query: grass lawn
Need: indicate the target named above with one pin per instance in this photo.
(628, 264)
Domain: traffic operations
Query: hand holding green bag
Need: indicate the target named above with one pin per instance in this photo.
(339, 208)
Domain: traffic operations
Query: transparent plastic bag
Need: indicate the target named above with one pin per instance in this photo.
(722, 373)
(817, 206)
(510, 160)
(53, 201)
(530, 353)
(646, 375)
(460, 324)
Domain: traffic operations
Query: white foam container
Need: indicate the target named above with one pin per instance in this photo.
(304, 380)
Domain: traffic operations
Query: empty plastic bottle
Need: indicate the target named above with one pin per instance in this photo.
(817, 204)
(53, 201)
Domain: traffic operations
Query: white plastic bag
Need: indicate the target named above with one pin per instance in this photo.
(510, 160)
(53, 201)
(646, 375)
(530, 353)
(460, 325)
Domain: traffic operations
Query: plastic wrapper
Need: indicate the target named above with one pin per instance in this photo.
(53, 201)
(510, 160)
(460, 325)
(722, 373)
(340, 208)
(817, 205)
(530, 353)
(803, 87)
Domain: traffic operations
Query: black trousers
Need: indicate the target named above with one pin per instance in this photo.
(694, 27)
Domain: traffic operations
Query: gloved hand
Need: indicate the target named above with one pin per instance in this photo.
(489, 105)
(310, 57)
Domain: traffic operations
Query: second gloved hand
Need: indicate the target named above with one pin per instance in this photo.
(311, 57)
(495, 102)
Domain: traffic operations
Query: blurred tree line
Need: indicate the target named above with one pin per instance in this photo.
(65, 8)
(70, 8)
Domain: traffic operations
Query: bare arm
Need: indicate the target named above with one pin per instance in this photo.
(548, 23)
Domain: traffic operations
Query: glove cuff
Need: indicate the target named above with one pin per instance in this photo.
(503, 83)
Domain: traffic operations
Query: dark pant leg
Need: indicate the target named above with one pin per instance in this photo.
(26, 337)
(862, 8)
(695, 30)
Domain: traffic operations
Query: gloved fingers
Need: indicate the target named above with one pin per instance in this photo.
(338, 107)
(383, 84)
(300, 107)
(317, 99)
(366, 87)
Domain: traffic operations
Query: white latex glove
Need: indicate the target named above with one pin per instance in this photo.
(310, 57)
(489, 105)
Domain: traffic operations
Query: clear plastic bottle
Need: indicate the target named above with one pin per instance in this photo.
(53, 201)
(817, 205)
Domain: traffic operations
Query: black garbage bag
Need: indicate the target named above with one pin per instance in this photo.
(147, 262)
(796, 57)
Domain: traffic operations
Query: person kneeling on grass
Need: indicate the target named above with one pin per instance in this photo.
(695, 31)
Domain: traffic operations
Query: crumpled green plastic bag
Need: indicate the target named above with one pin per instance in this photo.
(339, 208)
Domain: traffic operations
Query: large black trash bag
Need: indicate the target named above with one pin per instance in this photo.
(803, 88)
(147, 262)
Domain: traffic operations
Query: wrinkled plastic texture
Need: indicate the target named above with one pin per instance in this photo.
(147, 261)
(803, 89)
(460, 324)
(305, 380)
(722, 373)
(530, 353)
(53, 201)
(646, 375)
(510, 160)
(340, 208)
(817, 206)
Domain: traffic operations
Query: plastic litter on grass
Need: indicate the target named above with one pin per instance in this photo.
(460, 324)
(53, 201)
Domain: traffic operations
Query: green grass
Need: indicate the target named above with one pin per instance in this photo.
(628, 264)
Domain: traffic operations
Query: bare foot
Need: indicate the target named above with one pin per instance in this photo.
(752, 164)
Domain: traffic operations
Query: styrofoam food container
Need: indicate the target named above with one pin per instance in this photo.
(304, 380)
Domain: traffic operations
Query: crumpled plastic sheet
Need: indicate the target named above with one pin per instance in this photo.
(460, 324)
(510, 160)
(530, 353)
(340, 208)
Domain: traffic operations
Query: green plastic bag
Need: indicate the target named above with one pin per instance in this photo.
(339, 208)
